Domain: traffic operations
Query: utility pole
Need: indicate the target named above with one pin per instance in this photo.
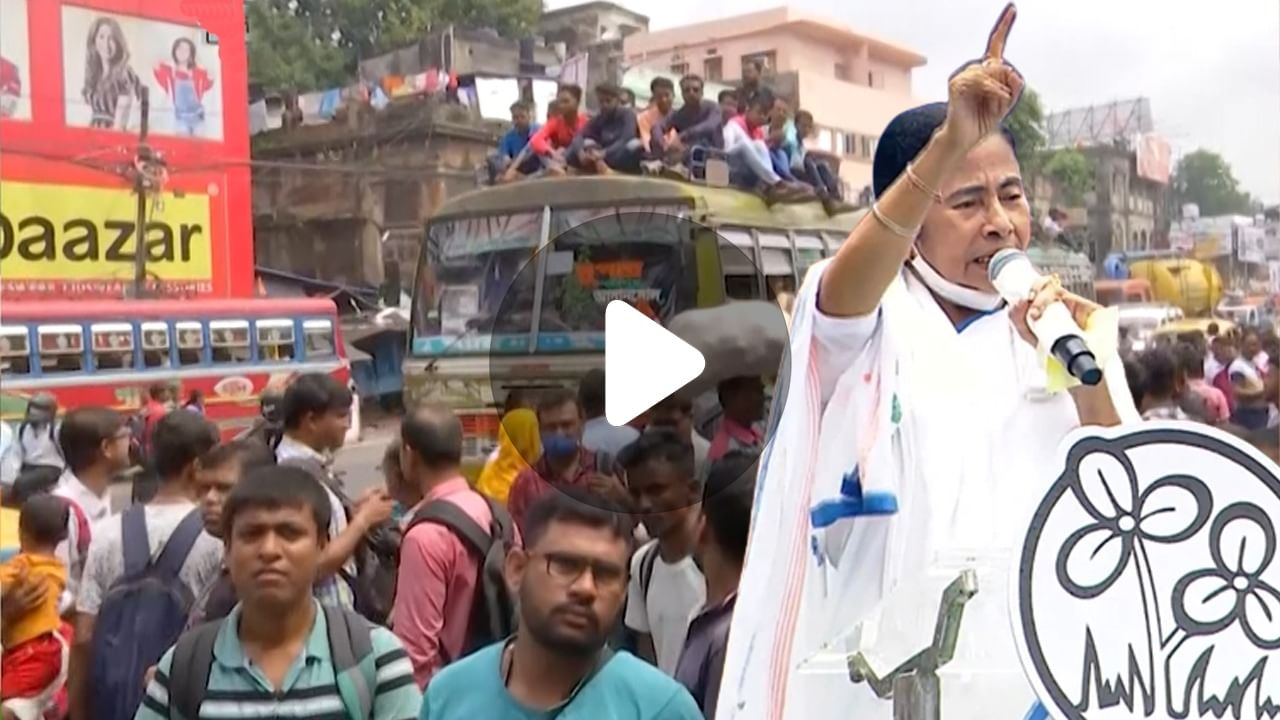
(142, 186)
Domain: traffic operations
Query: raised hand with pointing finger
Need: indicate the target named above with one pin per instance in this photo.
(913, 167)
(982, 93)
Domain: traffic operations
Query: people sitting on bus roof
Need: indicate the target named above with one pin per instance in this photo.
(728, 100)
(696, 123)
(750, 85)
(610, 142)
(662, 93)
(751, 163)
(551, 142)
(780, 145)
(811, 168)
(512, 158)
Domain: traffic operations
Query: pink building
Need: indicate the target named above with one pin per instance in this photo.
(853, 83)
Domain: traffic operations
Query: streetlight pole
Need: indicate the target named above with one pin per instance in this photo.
(142, 185)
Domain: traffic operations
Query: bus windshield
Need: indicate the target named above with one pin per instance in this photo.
(469, 267)
(477, 292)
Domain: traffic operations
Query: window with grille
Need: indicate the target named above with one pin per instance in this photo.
(713, 69)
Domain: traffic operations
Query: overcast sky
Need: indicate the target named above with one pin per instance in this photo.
(1211, 70)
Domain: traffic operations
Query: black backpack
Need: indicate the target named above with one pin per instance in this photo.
(374, 582)
(493, 609)
(350, 647)
(626, 637)
(141, 615)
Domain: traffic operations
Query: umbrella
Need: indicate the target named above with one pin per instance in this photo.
(739, 338)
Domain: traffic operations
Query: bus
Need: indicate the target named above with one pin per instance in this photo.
(486, 320)
(111, 352)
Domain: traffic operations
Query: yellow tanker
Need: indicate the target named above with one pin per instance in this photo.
(1192, 285)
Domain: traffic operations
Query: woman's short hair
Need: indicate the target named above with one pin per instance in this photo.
(905, 137)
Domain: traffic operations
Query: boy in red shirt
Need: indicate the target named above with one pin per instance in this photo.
(553, 139)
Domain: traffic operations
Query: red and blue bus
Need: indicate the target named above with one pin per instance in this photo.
(110, 353)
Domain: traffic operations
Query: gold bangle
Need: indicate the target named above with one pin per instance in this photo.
(921, 185)
(891, 226)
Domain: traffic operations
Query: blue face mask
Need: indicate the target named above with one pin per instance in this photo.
(558, 446)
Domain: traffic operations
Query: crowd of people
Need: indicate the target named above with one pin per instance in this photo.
(590, 566)
(1228, 379)
(753, 129)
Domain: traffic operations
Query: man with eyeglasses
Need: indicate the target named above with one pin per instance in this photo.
(571, 579)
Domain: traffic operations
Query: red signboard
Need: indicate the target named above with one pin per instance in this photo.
(71, 80)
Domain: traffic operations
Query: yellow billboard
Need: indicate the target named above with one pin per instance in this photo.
(64, 232)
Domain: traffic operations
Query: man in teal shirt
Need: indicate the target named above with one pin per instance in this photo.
(571, 579)
(275, 654)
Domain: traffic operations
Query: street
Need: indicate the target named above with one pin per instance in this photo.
(358, 462)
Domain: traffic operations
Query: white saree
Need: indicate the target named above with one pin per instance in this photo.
(902, 439)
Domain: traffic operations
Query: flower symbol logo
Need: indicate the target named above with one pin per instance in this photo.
(1170, 510)
(1205, 602)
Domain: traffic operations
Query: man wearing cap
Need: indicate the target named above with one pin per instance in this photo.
(34, 457)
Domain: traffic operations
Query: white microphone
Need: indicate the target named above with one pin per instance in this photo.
(1013, 276)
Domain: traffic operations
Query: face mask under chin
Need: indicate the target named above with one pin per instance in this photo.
(963, 296)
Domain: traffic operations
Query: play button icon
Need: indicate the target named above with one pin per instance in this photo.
(643, 363)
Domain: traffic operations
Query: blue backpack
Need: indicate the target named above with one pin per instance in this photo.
(141, 616)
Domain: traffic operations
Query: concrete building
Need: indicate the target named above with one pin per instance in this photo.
(597, 30)
(345, 202)
(465, 52)
(1123, 210)
(1128, 209)
(852, 82)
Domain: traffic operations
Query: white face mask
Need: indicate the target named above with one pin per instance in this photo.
(951, 292)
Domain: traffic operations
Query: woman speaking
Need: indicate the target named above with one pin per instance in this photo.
(922, 420)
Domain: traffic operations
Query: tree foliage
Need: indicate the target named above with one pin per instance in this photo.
(285, 51)
(1203, 177)
(1026, 122)
(1070, 172)
(314, 44)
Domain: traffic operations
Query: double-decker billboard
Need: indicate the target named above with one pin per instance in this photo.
(72, 77)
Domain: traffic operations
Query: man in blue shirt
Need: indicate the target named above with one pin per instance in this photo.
(571, 579)
(511, 161)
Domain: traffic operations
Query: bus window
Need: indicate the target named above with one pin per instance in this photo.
(833, 243)
(737, 262)
(155, 344)
(808, 251)
(775, 262)
(470, 277)
(275, 340)
(190, 342)
(318, 337)
(15, 354)
(606, 254)
(112, 346)
(61, 348)
(229, 340)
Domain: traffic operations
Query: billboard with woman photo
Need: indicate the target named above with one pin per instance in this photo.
(73, 74)
(107, 59)
(15, 61)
